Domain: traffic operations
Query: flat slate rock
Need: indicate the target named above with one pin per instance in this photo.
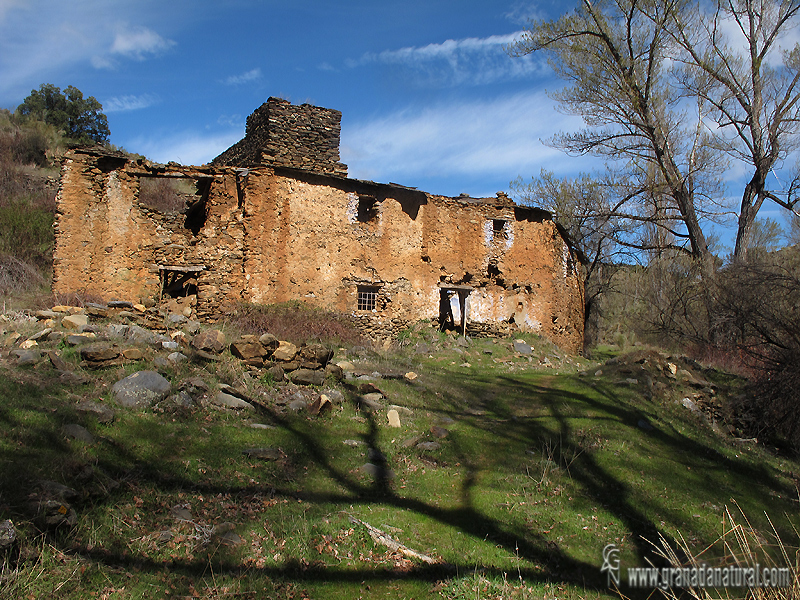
(141, 389)
(27, 357)
(230, 401)
(78, 432)
(120, 304)
(377, 471)
(428, 446)
(263, 453)
(101, 412)
(522, 348)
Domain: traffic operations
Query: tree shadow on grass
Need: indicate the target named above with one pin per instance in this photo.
(548, 561)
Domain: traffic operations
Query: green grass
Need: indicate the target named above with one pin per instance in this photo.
(540, 469)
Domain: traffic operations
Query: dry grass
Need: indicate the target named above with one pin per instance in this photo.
(746, 547)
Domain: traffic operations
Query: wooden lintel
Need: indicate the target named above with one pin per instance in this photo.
(182, 268)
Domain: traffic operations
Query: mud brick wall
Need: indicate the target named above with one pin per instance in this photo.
(111, 244)
(307, 239)
(281, 134)
(273, 234)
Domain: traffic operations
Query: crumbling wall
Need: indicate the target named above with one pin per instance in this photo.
(325, 240)
(281, 134)
(385, 254)
(112, 243)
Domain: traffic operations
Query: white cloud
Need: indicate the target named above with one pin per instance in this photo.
(41, 39)
(139, 42)
(248, 77)
(126, 103)
(187, 147)
(474, 61)
(498, 137)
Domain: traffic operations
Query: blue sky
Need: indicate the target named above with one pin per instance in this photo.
(428, 95)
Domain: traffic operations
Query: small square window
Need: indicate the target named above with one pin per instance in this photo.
(367, 209)
(499, 229)
(366, 297)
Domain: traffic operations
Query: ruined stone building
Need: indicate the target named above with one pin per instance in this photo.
(275, 218)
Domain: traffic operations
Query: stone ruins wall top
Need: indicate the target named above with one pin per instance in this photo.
(279, 133)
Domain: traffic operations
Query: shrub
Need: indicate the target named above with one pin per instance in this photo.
(296, 322)
(18, 276)
(161, 194)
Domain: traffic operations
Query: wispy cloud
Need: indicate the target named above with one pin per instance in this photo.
(523, 13)
(39, 39)
(498, 137)
(474, 61)
(248, 77)
(139, 42)
(185, 147)
(126, 103)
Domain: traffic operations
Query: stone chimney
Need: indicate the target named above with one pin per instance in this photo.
(281, 134)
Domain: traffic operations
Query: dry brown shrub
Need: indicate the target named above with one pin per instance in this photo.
(18, 276)
(161, 194)
(297, 322)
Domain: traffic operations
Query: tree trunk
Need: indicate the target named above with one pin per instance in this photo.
(752, 199)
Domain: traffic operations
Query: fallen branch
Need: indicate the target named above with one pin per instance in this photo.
(385, 540)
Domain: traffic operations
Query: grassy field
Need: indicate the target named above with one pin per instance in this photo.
(535, 463)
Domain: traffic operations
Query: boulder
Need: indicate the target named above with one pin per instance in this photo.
(316, 353)
(212, 341)
(308, 377)
(269, 342)
(248, 350)
(8, 534)
(277, 373)
(74, 321)
(141, 389)
(99, 352)
(335, 371)
(285, 352)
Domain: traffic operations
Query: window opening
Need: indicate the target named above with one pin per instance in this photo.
(197, 211)
(499, 231)
(179, 281)
(367, 209)
(366, 297)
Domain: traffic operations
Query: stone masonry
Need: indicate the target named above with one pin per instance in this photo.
(386, 254)
(279, 133)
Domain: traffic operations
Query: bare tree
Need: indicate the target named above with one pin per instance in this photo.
(581, 207)
(615, 56)
(729, 54)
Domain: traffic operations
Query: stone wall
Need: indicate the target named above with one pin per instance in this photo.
(310, 237)
(269, 235)
(281, 134)
(111, 244)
